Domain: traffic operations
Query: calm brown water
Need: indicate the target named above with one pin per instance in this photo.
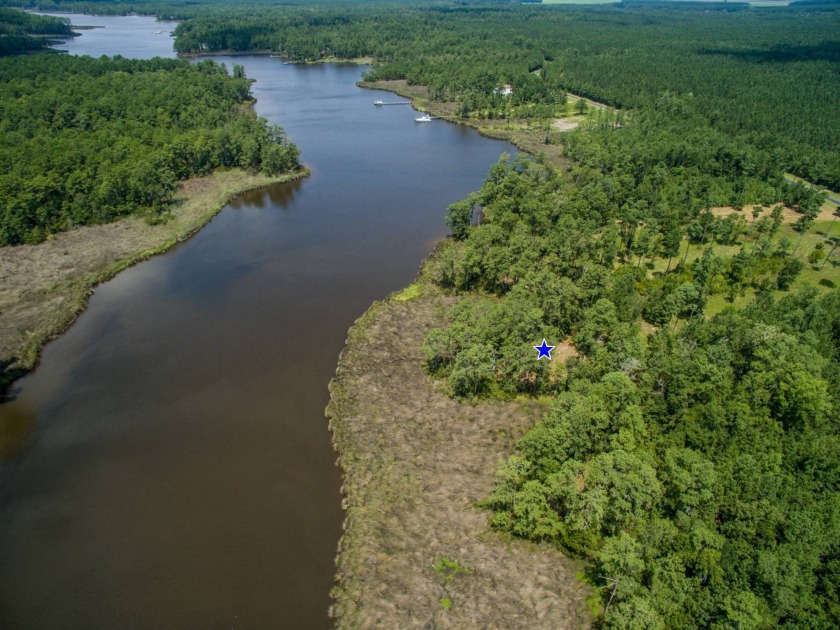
(177, 471)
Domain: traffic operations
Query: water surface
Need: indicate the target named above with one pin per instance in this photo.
(133, 36)
(178, 472)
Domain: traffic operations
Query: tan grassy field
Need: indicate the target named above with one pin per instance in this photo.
(416, 550)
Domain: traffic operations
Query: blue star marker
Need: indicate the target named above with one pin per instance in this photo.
(544, 349)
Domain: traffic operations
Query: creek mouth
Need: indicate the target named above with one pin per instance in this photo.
(176, 469)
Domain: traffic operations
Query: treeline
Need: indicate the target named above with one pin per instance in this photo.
(695, 464)
(552, 248)
(765, 77)
(690, 459)
(698, 470)
(176, 9)
(24, 32)
(87, 140)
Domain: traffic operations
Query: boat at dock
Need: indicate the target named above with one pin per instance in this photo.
(379, 103)
(423, 118)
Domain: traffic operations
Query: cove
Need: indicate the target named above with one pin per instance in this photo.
(178, 470)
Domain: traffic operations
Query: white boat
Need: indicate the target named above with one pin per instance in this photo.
(158, 32)
(378, 103)
(423, 118)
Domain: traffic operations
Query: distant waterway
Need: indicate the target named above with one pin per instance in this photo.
(132, 36)
(178, 471)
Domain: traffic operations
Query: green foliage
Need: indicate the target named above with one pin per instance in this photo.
(459, 218)
(447, 570)
(787, 274)
(706, 487)
(489, 345)
(25, 32)
(762, 79)
(537, 257)
(697, 470)
(87, 141)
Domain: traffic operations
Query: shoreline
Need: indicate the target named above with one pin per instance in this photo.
(412, 463)
(528, 139)
(415, 463)
(416, 550)
(357, 61)
(224, 53)
(45, 287)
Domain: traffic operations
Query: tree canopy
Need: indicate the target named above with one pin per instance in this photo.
(765, 78)
(87, 140)
(22, 32)
(690, 444)
(692, 459)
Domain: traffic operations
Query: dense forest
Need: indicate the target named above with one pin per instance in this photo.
(691, 444)
(691, 441)
(767, 78)
(23, 32)
(87, 140)
(693, 459)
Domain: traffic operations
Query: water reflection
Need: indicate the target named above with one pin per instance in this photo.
(280, 196)
(178, 470)
(16, 426)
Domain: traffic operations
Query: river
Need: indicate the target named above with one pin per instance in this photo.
(179, 471)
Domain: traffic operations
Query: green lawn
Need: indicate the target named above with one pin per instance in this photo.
(810, 275)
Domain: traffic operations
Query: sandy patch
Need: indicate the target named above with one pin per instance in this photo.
(566, 124)
(564, 351)
(574, 98)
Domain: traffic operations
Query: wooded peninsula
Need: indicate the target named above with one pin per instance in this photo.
(672, 234)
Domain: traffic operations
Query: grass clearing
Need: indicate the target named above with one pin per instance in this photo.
(821, 276)
(411, 292)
